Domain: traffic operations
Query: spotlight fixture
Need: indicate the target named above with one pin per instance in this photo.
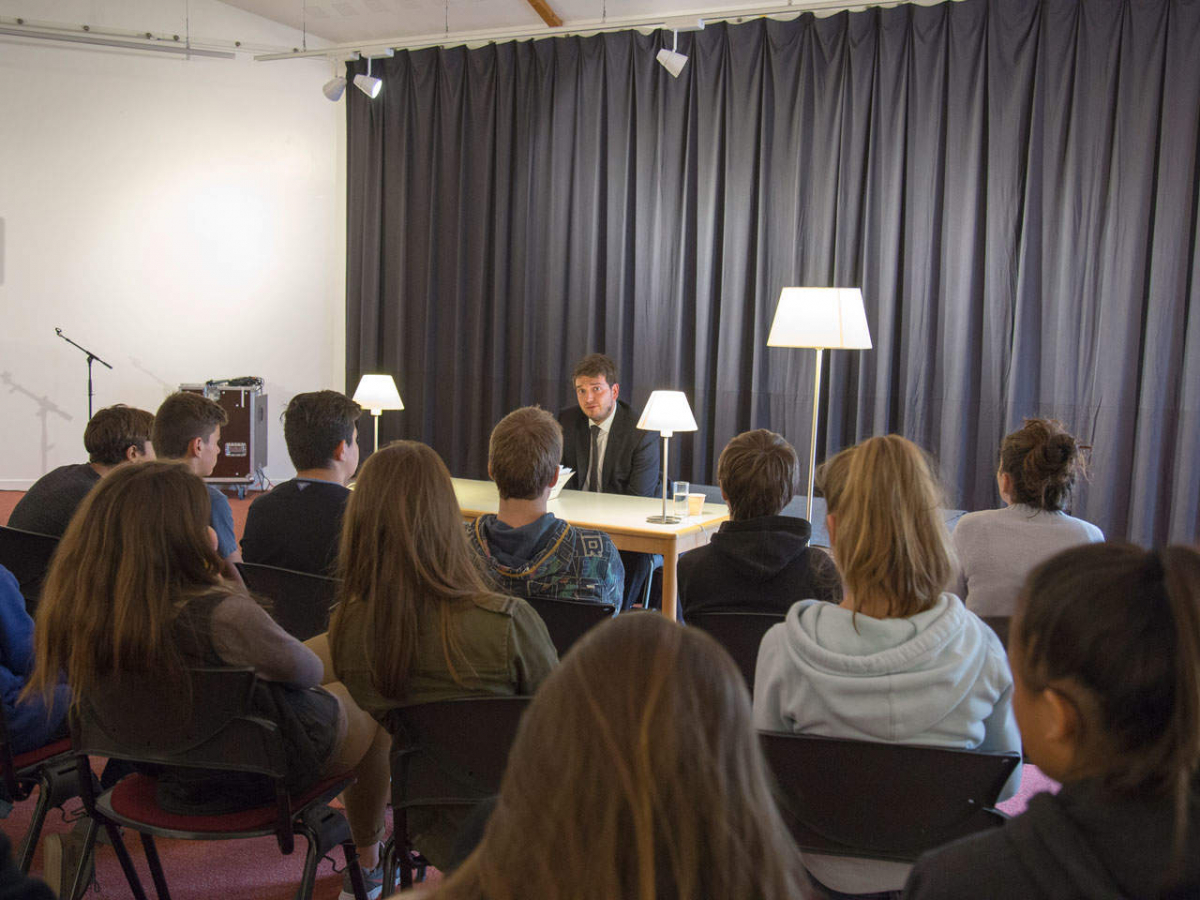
(672, 60)
(333, 88)
(368, 85)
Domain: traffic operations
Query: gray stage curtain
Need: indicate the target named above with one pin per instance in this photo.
(1013, 184)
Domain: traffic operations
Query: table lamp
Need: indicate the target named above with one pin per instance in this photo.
(823, 319)
(666, 412)
(377, 393)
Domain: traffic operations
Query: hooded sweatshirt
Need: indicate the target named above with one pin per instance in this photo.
(1084, 842)
(763, 564)
(939, 678)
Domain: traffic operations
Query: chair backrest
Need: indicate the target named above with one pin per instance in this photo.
(27, 555)
(8, 772)
(300, 601)
(452, 752)
(883, 801)
(213, 727)
(567, 620)
(740, 633)
(999, 624)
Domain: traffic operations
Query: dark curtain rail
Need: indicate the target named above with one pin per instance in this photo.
(1012, 183)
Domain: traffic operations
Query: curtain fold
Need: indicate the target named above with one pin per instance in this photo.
(1014, 184)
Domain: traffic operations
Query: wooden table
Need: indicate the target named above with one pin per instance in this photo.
(622, 518)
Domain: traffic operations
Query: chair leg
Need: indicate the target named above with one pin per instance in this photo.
(355, 870)
(312, 858)
(131, 875)
(89, 848)
(34, 832)
(156, 869)
(388, 858)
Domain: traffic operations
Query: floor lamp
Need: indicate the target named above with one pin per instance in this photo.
(823, 319)
(377, 393)
(666, 412)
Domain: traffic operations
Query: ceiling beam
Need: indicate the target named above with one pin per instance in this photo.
(549, 16)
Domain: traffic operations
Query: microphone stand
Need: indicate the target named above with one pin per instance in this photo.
(90, 358)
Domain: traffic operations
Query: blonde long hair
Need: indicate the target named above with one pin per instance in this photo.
(636, 773)
(404, 555)
(890, 540)
(137, 548)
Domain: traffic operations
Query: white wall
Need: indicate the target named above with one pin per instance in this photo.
(183, 219)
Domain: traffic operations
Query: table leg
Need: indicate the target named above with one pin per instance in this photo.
(669, 596)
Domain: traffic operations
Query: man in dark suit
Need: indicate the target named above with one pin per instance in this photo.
(602, 443)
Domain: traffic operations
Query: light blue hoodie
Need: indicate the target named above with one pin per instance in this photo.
(940, 677)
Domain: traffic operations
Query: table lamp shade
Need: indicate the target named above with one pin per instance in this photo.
(667, 412)
(378, 392)
(832, 318)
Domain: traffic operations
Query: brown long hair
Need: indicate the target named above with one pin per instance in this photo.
(404, 555)
(891, 543)
(136, 548)
(1122, 625)
(636, 773)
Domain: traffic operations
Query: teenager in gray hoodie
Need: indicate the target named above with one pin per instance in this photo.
(898, 660)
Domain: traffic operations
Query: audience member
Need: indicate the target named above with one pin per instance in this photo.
(297, 524)
(135, 590)
(645, 787)
(1105, 651)
(114, 435)
(898, 660)
(32, 723)
(528, 551)
(417, 620)
(602, 443)
(187, 428)
(758, 560)
(997, 547)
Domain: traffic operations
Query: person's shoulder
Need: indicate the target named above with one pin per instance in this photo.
(569, 415)
(589, 541)
(217, 496)
(982, 864)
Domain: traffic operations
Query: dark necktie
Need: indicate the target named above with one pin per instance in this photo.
(593, 473)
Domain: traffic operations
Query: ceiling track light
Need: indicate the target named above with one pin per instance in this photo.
(672, 60)
(368, 85)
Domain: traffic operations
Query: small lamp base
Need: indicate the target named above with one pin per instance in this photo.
(664, 520)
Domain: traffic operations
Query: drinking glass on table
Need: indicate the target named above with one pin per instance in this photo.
(679, 494)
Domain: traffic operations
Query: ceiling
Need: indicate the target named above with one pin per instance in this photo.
(378, 21)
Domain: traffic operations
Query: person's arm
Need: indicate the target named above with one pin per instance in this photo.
(16, 627)
(244, 635)
(1000, 732)
(533, 653)
(769, 682)
(612, 589)
(644, 467)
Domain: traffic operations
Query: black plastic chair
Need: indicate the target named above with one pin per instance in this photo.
(140, 721)
(50, 769)
(446, 754)
(883, 801)
(999, 624)
(740, 633)
(27, 555)
(568, 620)
(300, 601)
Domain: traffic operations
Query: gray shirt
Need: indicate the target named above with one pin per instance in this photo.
(997, 548)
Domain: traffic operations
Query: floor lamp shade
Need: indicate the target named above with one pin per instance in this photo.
(666, 412)
(821, 318)
(827, 318)
(377, 393)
